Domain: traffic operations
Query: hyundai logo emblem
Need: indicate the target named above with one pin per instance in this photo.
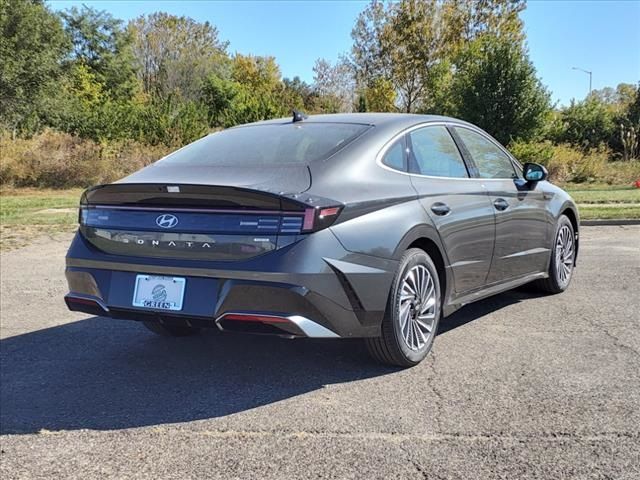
(167, 221)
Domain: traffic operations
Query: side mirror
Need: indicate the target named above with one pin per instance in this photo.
(534, 172)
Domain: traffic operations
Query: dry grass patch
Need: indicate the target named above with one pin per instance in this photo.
(26, 214)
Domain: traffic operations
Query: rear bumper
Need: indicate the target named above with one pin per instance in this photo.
(273, 323)
(321, 289)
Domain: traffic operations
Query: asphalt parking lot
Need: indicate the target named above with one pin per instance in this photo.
(518, 386)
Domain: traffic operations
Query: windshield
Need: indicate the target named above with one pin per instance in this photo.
(274, 144)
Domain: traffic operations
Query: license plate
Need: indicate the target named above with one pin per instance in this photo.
(160, 293)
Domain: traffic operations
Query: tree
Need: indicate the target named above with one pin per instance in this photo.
(415, 42)
(32, 42)
(412, 43)
(253, 91)
(172, 55)
(260, 89)
(614, 112)
(334, 85)
(630, 128)
(586, 124)
(633, 111)
(380, 96)
(101, 43)
(298, 94)
(97, 97)
(218, 94)
(617, 99)
(400, 43)
(367, 57)
(495, 87)
(471, 19)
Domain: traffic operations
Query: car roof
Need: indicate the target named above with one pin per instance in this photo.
(399, 120)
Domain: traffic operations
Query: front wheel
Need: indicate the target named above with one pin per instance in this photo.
(413, 312)
(562, 259)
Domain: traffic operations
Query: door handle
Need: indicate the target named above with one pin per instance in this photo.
(440, 208)
(501, 204)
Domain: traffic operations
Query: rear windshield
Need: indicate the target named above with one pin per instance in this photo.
(268, 144)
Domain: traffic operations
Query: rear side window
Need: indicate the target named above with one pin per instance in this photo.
(436, 154)
(490, 160)
(273, 144)
(394, 157)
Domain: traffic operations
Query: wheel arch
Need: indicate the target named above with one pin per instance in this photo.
(427, 239)
(433, 251)
(570, 212)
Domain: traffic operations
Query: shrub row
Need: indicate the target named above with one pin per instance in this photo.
(567, 164)
(54, 159)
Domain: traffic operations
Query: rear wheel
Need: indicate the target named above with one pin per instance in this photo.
(562, 259)
(412, 315)
(171, 330)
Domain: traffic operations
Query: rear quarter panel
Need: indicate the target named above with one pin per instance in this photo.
(381, 205)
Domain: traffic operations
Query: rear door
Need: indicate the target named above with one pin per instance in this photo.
(521, 239)
(455, 202)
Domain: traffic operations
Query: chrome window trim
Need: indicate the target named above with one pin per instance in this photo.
(406, 131)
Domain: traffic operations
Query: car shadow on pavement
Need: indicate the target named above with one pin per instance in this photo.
(107, 374)
(484, 307)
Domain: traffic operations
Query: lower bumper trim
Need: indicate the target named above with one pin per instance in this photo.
(295, 325)
(254, 322)
(86, 304)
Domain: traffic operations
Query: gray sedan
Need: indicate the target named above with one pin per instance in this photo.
(334, 226)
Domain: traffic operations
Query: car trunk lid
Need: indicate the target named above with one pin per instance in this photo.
(206, 222)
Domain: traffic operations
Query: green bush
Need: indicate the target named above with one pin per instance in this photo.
(535, 152)
(567, 164)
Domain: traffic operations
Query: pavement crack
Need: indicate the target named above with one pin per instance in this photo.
(616, 341)
(438, 394)
(417, 465)
(407, 437)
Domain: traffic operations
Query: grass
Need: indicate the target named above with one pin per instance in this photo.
(28, 213)
(606, 201)
(604, 195)
(593, 186)
(602, 212)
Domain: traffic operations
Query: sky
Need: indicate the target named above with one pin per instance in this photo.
(601, 36)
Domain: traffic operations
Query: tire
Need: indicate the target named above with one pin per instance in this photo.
(171, 330)
(407, 336)
(562, 253)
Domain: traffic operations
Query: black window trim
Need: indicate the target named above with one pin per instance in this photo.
(414, 160)
(472, 168)
(402, 139)
(517, 168)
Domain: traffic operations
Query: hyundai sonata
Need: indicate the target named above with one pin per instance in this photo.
(332, 226)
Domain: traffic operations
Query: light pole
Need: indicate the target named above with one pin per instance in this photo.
(585, 71)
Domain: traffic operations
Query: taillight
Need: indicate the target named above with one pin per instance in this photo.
(209, 221)
(82, 215)
(318, 218)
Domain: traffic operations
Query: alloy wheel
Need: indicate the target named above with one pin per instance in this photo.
(564, 254)
(417, 307)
